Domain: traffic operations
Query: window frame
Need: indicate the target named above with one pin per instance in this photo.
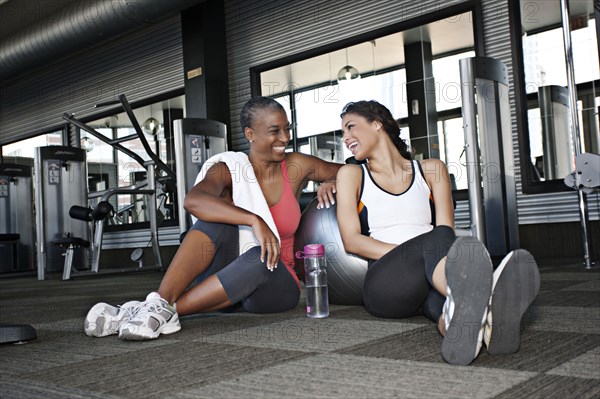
(469, 6)
(522, 105)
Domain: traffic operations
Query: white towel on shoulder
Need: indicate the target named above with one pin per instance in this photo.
(247, 193)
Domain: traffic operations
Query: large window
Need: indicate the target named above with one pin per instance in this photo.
(318, 109)
(97, 150)
(26, 148)
(447, 80)
(386, 71)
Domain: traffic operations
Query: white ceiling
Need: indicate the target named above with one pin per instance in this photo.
(445, 36)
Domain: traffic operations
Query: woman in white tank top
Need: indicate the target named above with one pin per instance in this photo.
(385, 213)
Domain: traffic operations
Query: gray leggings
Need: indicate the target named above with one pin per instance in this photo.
(246, 280)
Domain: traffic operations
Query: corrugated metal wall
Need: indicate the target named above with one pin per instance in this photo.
(260, 32)
(142, 64)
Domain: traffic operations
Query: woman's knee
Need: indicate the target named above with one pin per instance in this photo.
(390, 307)
(256, 269)
(273, 298)
(276, 304)
(277, 291)
(382, 300)
(218, 233)
(252, 256)
(290, 302)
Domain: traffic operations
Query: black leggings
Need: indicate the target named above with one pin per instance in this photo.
(246, 280)
(399, 284)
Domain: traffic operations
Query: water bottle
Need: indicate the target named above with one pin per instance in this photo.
(315, 279)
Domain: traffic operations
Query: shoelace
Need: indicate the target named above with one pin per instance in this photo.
(154, 306)
(127, 312)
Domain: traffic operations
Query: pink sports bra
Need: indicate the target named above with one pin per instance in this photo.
(286, 215)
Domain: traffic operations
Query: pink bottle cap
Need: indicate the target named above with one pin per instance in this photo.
(311, 250)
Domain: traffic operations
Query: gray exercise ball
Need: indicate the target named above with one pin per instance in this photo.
(345, 272)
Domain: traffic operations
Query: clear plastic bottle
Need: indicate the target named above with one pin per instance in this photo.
(315, 279)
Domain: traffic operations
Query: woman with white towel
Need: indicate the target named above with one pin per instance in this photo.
(239, 251)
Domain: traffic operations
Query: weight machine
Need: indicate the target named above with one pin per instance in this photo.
(157, 174)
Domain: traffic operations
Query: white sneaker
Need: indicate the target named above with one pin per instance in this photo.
(104, 319)
(469, 277)
(153, 317)
(516, 284)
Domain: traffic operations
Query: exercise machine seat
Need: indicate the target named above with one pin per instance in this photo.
(70, 243)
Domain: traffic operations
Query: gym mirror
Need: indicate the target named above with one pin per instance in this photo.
(547, 147)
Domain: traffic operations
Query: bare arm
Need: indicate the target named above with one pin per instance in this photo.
(210, 201)
(436, 175)
(348, 187)
(320, 171)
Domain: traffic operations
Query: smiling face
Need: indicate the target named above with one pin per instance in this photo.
(359, 135)
(269, 134)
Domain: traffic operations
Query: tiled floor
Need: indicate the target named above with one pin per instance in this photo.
(351, 354)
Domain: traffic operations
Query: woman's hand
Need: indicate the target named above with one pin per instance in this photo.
(325, 194)
(269, 244)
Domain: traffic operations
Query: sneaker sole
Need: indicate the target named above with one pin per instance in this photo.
(516, 288)
(469, 276)
(169, 328)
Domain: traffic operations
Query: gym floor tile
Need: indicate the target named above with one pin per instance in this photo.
(553, 386)
(593, 285)
(541, 351)
(151, 373)
(198, 328)
(59, 348)
(584, 366)
(344, 376)
(422, 344)
(581, 275)
(563, 318)
(307, 334)
(15, 387)
(562, 297)
(360, 313)
(557, 285)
